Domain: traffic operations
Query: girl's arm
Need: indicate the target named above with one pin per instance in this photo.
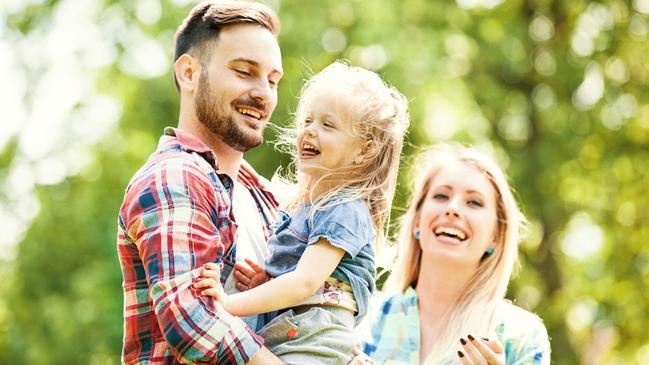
(317, 263)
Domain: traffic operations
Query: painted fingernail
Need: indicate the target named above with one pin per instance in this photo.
(462, 341)
(471, 338)
(460, 354)
(485, 339)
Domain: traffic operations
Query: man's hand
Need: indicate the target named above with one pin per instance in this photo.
(249, 277)
(211, 280)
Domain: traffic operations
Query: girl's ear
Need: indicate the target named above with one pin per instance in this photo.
(369, 148)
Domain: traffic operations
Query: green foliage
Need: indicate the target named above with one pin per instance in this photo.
(514, 77)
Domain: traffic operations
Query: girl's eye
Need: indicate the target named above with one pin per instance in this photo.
(242, 72)
(307, 121)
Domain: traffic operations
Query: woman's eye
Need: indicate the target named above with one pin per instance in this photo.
(307, 121)
(440, 196)
(242, 72)
(328, 124)
(476, 203)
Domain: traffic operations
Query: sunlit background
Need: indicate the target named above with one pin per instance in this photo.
(558, 90)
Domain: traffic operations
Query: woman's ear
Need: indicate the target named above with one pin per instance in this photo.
(187, 71)
(415, 229)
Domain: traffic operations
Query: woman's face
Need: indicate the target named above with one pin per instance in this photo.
(457, 218)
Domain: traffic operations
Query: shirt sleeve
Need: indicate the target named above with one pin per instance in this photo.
(171, 217)
(345, 225)
(530, 345)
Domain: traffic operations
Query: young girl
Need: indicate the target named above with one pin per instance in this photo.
(350, 128)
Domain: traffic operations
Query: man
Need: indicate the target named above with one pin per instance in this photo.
(177, 210)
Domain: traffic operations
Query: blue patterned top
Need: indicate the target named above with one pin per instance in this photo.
(346, 225)
(395, 334)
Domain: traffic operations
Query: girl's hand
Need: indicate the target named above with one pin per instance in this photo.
(211, 280)
(481, 351)
(249, 277)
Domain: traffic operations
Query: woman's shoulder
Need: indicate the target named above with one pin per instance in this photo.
(523, 334)
(515, 318)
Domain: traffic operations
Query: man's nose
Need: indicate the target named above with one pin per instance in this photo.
(262, 92)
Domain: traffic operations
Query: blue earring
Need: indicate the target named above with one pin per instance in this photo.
(417, 234)
(490, 250)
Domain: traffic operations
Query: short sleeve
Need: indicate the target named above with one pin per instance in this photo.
(346, 225)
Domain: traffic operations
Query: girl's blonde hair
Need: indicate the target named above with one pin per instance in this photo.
(379, 116)
(474, 309)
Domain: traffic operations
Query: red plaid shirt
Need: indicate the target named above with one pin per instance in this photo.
(175, 217)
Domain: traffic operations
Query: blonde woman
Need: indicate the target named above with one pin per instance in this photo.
(349, 133)
(459, 242)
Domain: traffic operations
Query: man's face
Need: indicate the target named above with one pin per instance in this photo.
(237, 88)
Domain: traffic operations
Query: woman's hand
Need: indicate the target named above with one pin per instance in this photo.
(249, 277)
(210, 279)
(481, 351)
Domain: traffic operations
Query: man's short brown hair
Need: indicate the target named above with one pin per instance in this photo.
(202, 26)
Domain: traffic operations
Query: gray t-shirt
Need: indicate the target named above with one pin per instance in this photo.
(346, 225)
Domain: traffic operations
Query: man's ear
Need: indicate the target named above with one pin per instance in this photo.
(187, 70)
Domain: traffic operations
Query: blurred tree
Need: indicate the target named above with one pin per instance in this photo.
(557, 89)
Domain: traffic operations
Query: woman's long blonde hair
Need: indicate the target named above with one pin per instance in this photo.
(380, 118)
(474, 309)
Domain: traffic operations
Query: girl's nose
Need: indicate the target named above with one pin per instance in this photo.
(309, 130)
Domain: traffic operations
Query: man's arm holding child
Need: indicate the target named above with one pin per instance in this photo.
(317, 263)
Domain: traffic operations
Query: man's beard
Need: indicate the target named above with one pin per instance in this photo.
(212, 112)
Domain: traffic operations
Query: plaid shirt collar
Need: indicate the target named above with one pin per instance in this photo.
(190, 143)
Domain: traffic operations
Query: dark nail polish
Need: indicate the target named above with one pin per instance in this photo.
(460, 354)
(471, 338)
(486, 339)
(462, 341)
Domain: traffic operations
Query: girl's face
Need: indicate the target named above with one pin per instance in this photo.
(457, 219)
(327, 140)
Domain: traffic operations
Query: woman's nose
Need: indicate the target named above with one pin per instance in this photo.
(452, 208)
